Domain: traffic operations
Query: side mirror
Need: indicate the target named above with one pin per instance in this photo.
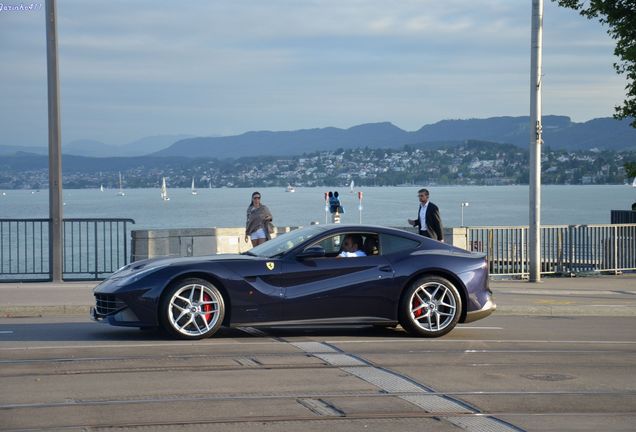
(312, 252)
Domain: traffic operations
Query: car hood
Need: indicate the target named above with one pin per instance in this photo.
(142, 265)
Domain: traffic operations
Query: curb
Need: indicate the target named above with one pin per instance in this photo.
(598, 310)
(43, 311)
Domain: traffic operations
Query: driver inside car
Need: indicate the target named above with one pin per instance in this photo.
(351, 247)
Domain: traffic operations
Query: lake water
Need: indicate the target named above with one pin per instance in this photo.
(488, 205)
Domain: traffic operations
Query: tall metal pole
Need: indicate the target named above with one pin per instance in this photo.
(534, 238)
(56, 241)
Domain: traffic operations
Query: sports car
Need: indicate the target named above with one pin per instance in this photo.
(301, 278)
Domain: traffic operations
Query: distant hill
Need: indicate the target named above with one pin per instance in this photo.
(22, 161)
(139, 147)
(267, 143)
(559, 132)
(91, 148)
(9, 150)
(150, 144)
(94, 148)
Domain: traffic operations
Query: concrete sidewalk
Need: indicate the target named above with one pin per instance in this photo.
(587, 296)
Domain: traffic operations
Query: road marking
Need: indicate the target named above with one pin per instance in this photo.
(141, 345)
(6, 331)
(480, 328)
(394, 383)
(587, 293)
(439, 341)
(340, 341)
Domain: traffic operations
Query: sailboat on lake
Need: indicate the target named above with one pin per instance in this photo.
(121, 187)
(164, 190)
(193, 191)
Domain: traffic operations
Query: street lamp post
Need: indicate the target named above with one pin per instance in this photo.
(55, 151)
(462, 205)
(536, 141)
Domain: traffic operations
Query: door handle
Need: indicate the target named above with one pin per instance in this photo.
(385, 268)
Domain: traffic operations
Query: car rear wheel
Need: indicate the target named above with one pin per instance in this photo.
(430, 307)
(192, 309)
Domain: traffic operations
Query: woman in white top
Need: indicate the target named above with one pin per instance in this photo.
(258, 217)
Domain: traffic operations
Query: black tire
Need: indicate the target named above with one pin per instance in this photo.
(191, 309)
(430, 307)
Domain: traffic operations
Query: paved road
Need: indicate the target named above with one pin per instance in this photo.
(505, 373)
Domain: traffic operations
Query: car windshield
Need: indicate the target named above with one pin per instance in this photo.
(284, 242)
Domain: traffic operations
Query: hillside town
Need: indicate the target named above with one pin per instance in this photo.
(473, 163)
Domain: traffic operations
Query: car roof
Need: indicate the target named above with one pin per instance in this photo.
(366, 228)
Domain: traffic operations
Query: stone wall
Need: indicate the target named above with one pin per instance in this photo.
(211, 241)
(191, 242)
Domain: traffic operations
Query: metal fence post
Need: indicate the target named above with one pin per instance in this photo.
(570, 248)
(615, 245)
(96, 251)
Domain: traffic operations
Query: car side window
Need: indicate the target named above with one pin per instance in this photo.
(334, 245)
(331, 245)
(392, 244)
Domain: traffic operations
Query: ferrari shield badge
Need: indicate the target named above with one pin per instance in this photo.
(270, 265)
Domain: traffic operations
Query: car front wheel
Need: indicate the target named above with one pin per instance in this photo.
(430, 307)
(192, 309)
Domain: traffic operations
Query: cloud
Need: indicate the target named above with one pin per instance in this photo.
(227, 66)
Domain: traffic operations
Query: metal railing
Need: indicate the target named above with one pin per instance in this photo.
(92, 248)
(565, 249)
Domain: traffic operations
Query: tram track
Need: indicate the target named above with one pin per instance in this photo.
(263, 361)
(317, 382)
(140, 400)
(394, 416)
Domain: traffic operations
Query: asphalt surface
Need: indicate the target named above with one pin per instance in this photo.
(505, 373)
(555, 356)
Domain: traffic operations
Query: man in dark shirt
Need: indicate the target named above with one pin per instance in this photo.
(428, 219)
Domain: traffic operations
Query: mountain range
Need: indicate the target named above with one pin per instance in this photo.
(94, 148)
(559, 132)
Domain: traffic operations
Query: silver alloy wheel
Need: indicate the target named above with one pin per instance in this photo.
(433, 306)
(194, 309)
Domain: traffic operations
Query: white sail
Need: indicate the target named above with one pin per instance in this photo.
(351, 186)
(164, 190)
(101, 188)
(121, 187)
(192, 189)
(634, 182)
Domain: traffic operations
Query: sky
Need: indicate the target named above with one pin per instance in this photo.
(136, 68)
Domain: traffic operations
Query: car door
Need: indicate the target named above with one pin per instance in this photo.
(257, 295)
(331, 288)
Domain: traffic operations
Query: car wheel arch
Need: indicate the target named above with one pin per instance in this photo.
(207, 277)
(440, 273)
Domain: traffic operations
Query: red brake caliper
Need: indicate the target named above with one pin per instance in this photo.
(207, 308)
(416, 303)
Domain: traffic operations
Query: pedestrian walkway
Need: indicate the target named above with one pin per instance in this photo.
(588, 296)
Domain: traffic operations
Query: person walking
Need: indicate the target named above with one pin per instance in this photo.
(258, 220)
(428, 221)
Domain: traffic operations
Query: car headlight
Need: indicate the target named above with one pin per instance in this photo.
(121, 269)
(134, 277)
